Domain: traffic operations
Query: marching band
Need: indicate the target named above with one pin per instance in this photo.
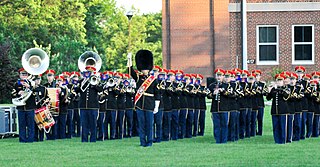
(159, 105)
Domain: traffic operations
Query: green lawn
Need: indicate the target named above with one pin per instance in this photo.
(200, 151)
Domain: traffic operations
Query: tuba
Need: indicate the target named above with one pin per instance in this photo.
(90, 58)
(35, 61)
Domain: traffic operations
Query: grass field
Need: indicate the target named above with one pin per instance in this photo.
(199, 151)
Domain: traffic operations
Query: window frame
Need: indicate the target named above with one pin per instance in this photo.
(276, 62)
(303, 62)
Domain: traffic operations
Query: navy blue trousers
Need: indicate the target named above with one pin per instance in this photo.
(303, 125)
(289, 128)
(220, 127)
(260, 120)
(135, 126)
(190, 119)
(129, 122)
(175, 124)
(309, 124)
(253, 123)
(76, 125)
(182, 123)
(145, 121)
(69, 124)
(38, 134)
(196, 122)
(279, 123)
(232, 126)
(157, 128)
(120, 124)
(248, 123)
(101, 126)
(242, 122)
(53, 133)
(237, 125)
(166, 125)
(111, 118)
(202, 120)
(297, 126)
(89, 124)
(61, 128)
(315, 131)
(26, 126)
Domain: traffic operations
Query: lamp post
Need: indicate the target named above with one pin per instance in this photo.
(129, 16)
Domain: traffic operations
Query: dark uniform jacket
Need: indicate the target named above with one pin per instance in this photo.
(161, 92)
(50, 84)
(130, 99)
(71, 96)
(175, 97)
(245, 101)
(196, 97)
(234, 106)
(311, 98)
(304, 101)
(294, 102)
(190, 96)
(167, 97)
(103, 99)
(202, 99)
(112, 98)
(183, 98)
(30, 102)
(63, 97)
(88, 97)
(279, 101)
(219, 101)
(261, 86)
(41, 95)
(146, 102)
(121, 98)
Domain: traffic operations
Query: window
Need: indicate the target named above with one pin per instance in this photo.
(303, 44)
(267, 45)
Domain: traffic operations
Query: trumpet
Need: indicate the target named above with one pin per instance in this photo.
(94, 80)
(179, 86)
(161, 85)
(206, 91)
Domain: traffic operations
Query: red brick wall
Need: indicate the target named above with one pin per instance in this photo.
(284, 20)
(190, 36)
(273, 1)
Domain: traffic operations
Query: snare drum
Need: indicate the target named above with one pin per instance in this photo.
(44, 119)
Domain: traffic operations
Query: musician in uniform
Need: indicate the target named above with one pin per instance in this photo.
(70, 86)
(245, 107)
(76, 112)
(316, 118)
(89, 104)
(254, 104)
(183, 104)
(121, 105)
(279, 109)
(63, 107)
(147, 99)
(219, 106)
(233, 107)
(294, 104)
(23, 88)
(189, 88)
(262, 90)
(161, 76)
(174, 134)
(42, 99)
(111, 115)
(52, 135)
(239, 94)
(167, 114)
(130, 92)
(202, 105)
(311, 96)
(103, 99)
(196, 93)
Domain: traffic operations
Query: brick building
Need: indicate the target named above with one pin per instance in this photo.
(199, 35)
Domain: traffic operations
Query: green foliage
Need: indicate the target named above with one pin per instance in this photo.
(66, 29)
(275, 71)
(199, 151)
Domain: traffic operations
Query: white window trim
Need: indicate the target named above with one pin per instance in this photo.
(257, 46)
(303, 62)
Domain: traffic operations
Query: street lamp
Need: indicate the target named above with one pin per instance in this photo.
(129, 15)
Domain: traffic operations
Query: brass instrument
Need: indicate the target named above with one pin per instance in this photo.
(90, 58)
(179, 86)
(162, 85)
(170, 87)
(206, 91)
(35, 61)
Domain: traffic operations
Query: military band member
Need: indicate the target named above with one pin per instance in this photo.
(311, 96)
(316, 118)
(70, 104)
(190, 88)
(53, 134)
(161, 77)
(76, 112)
(245, 103)
(23, 88)
(220, 106)
(183, 104)
(239, 94)
(196, 93)
(42, 99)
(262, 90)
(103, 99)
(147, 99)
(167, 114)
(254, 104)
(233, 107)
(279, 109)
(60, 125)
(121, 105)
(130, 92)
(174, 134)
(89, 105)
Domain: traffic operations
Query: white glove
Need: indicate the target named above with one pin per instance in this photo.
(129, 57)
(156, 108)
